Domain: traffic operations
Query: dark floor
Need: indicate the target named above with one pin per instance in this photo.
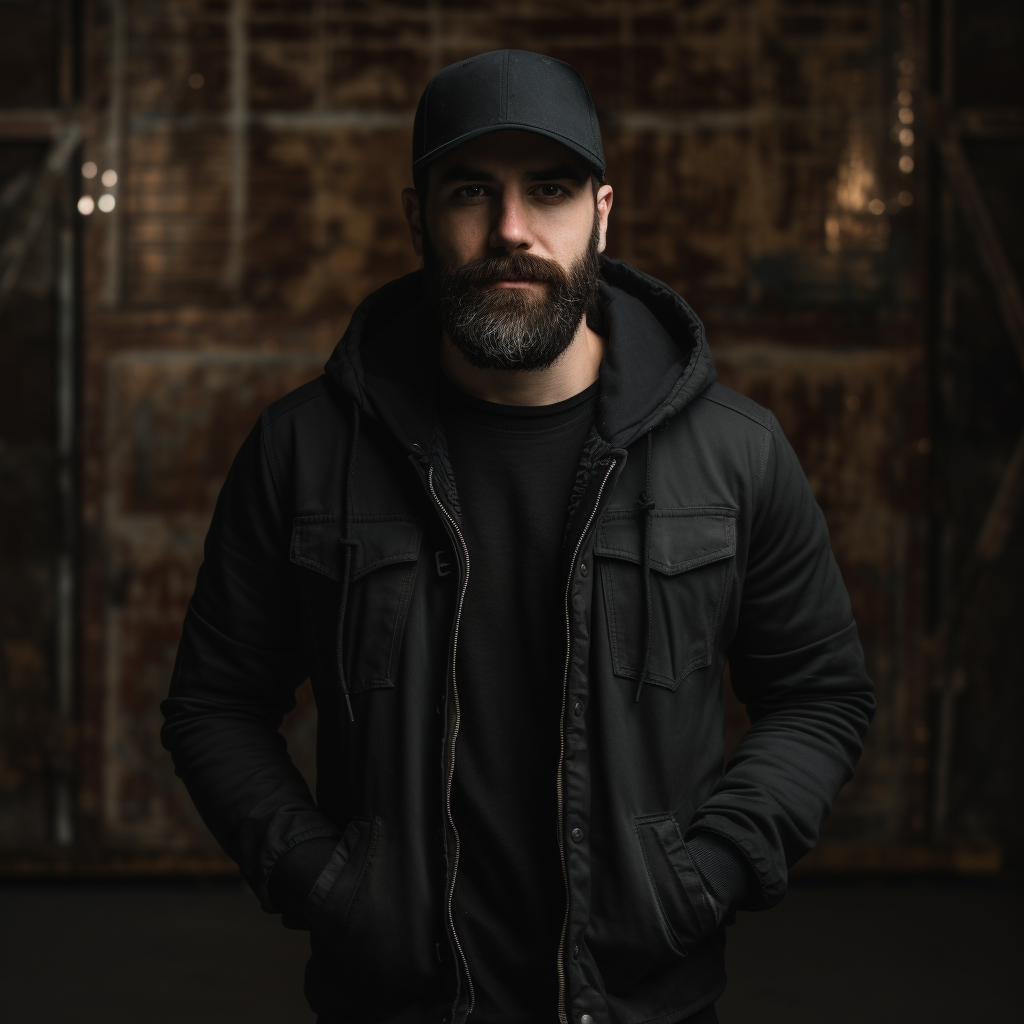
(832, 953)
(911, 952)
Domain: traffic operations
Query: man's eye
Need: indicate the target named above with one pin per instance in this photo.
(471, 192)
(550, 191)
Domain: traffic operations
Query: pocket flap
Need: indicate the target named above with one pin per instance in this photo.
(380, 541)
(681, 538)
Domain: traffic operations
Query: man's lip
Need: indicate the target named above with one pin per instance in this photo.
(514, 282)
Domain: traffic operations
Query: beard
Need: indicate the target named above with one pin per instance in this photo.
(508, 328)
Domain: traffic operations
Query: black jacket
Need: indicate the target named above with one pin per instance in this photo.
(693, 538)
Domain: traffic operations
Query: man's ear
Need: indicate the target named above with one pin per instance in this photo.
(604, 198)
(411, 207)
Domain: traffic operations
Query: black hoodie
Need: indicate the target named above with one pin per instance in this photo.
(707, 546)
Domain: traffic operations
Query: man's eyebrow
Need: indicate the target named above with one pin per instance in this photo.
(462, 172)
(563, 172)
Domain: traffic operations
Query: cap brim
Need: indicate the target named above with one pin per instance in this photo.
(428, 158)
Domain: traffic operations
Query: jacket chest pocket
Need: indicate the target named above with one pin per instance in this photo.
(692, 561)
(382, 573)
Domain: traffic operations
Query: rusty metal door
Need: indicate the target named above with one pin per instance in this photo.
(771, 162)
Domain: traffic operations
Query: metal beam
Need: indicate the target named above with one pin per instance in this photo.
(238, 127)
(16, 248)
(65, 618)
(113, 278)
(26, 125)
(15, 188)
(327, 120)
(993, 257)
(1002, 514)
(989, 124)
(1006, 504)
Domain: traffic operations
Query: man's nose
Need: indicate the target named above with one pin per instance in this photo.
(511, 229)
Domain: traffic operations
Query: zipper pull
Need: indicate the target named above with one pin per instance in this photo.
(420, 461)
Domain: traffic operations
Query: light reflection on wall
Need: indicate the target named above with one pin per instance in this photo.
(906, 82)
(854, 220)
(864, 192)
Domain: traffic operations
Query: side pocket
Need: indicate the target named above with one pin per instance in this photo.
(675, 881)
(336, 888)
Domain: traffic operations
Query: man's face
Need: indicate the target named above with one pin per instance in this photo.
(509, 236)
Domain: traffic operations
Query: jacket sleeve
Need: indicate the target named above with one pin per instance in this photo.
(234, 679)
(797, 665)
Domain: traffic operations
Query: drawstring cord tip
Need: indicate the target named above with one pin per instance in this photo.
(349, 544)
(645, 503)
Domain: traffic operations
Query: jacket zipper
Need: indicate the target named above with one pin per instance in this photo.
(454, 528)
(562, 1014)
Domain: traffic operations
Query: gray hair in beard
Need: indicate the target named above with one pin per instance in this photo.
(504, 328)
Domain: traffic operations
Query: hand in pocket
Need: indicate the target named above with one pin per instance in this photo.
(691, 914)
(336, 888)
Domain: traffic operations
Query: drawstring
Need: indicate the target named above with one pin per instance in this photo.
(646, 505)
(346, 573)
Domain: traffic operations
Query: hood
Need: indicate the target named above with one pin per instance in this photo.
(656, 362)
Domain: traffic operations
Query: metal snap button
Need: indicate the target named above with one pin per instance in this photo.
(577, 709)
(577, 835)
(586, 1019)
(583, 569)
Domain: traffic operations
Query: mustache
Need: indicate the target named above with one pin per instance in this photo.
(514, 266)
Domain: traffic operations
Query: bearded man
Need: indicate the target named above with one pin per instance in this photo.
(513, 535)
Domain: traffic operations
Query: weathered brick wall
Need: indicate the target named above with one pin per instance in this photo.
(29, 523)
(750, 145)
(30, 738)
(979, 418)
(726, 126)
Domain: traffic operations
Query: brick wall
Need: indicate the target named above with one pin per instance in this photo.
(749, 144)
(33, 209)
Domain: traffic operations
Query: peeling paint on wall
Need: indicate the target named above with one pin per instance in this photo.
(853, 425)
(174, 423)
(734, 131)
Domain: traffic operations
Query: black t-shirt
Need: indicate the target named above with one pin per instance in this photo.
(514, 471)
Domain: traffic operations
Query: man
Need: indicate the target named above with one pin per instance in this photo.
(513, 535)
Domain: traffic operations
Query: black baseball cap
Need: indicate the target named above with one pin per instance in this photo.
(506, 89)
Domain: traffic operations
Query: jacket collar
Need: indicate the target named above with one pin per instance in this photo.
(656, 363)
